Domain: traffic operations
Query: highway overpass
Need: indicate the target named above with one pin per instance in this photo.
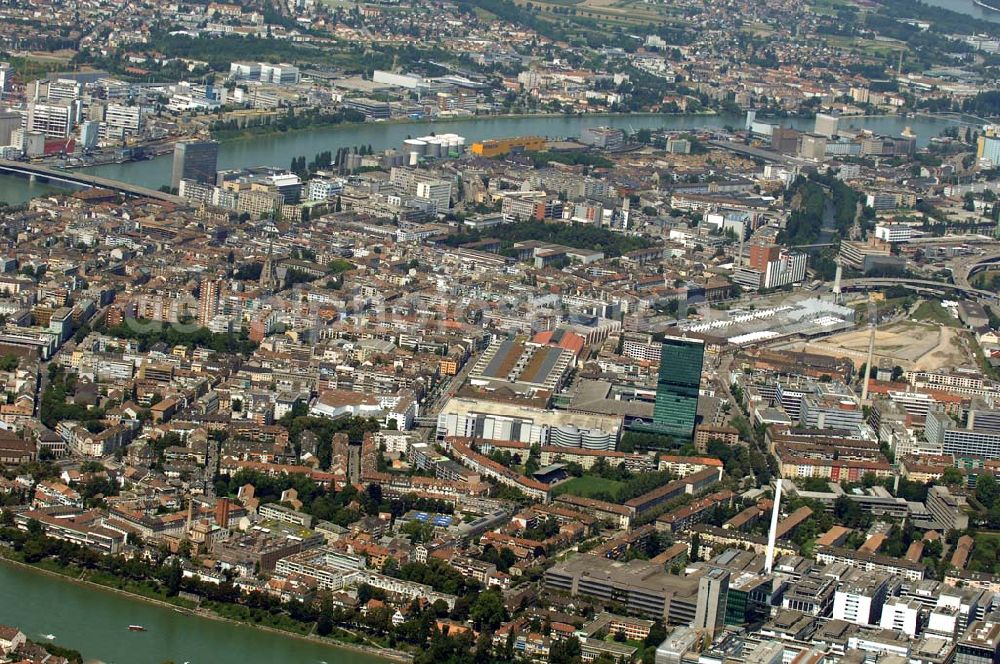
(915, 284)
(86, 180)
(747, 151)
(964, 270)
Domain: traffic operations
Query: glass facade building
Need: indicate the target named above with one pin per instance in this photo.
(677, 387)
(194, 160)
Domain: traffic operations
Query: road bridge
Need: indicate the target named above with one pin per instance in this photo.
(961, 118)
(915, 284)
(747, 151)
(86, 180)
(966, 268)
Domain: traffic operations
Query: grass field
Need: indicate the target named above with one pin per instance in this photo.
(621, 12)
(589, 486)
(933, 312)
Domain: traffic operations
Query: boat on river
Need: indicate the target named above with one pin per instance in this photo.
(136, 628)
(984, 5)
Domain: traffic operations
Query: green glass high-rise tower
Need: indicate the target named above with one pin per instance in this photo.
(677, 387)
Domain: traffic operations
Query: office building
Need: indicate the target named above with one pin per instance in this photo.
(437, 192)
(244, 71)
(121, 120)
(66, 89)
(761, 254)
(10, 121)
(288, 185)
(490, 420)
(258, 203)
(208, 300)
(678, 146)
(195, 160)
(980, 644)
(53, 119)
(749, 597)
(812, 146)
(677, 387)
(831, 406)
(90, 134)
(771, 266)
(889, 232)
(950, 511)
(942, 431)
(982, 417)
(279, 74)
(767, 652)
(827, 125)
(713, 590)
(785, 140)
(603, 137)
(319, 189)
(788, 268)
(6, 76)
(988, 149)
(643, 587)
(681, 641)
(902, 615)
(860, 598)
(371, 108)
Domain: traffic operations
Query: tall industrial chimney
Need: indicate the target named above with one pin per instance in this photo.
(771, 535)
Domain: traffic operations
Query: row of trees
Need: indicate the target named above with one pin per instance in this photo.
(326, 160)
(580, 236)
(148, 332)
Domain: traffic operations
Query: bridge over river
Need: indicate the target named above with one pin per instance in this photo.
(86, 180)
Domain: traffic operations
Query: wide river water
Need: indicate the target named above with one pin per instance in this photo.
(969, 7)
(96, 621)
(280, 149)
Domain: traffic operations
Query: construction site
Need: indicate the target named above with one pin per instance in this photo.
(908, 343)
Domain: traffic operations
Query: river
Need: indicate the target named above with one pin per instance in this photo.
(969, 8)
(95, 622)
(280, 149)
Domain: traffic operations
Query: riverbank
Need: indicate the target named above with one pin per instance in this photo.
(386, 654)
(280, 148)
(232, 136)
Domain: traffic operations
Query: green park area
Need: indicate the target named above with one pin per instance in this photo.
(590, 486)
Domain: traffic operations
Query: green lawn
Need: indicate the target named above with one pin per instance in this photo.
(933, 312)
(589, 486)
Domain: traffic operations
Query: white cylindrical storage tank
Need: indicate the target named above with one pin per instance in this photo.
(415, 145)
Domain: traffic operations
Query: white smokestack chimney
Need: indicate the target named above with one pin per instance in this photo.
(771, 536)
